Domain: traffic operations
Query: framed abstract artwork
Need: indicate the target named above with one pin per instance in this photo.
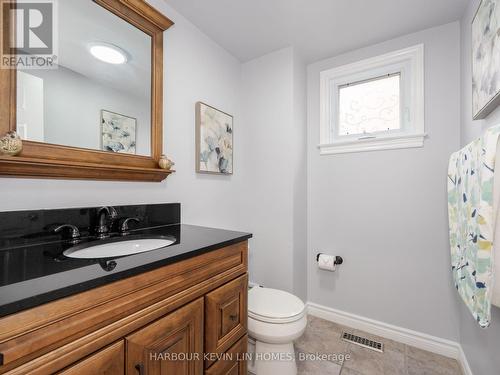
(214, 140)
(486, 59)
(118, 132)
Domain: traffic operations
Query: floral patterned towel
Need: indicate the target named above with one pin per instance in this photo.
(472, 222)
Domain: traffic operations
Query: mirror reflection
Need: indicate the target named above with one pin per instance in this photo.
(99, 95)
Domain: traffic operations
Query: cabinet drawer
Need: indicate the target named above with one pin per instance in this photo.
(234, 361)
(225, 316)
(108, 361)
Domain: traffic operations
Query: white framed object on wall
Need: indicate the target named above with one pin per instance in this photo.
(373, 104)
(485, 59)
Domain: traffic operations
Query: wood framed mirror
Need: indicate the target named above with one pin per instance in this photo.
(77, 123)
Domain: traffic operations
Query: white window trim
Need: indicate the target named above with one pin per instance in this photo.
(411, 62)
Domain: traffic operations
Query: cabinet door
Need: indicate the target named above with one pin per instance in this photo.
(173, 345)
(234, 360)
(225, 316)
(107, 361)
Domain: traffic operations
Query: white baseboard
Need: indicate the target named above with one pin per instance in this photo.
(465, 364)
(419, 340)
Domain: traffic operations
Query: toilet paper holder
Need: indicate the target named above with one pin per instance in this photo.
(338, 260)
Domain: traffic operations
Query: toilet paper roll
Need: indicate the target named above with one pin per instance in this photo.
(327, 262)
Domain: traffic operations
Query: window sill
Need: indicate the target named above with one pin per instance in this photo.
(373, 144)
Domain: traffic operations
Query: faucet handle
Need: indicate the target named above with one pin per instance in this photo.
(123, 227)
(113, 214)
(74, 232)
(110, 211)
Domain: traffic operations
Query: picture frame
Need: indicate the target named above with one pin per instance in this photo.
(485, 59)
(118, 133)
(214, 140)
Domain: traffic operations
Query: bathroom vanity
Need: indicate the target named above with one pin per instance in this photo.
(180, 309)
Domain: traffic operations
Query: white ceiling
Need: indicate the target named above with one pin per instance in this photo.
(82, 22)
(317, 28)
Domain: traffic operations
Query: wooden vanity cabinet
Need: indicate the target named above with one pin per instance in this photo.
(160, 322)
(107, 361)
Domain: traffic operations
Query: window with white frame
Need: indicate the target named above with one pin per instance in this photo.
(374, 104)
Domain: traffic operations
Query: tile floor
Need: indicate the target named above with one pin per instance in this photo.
(323, 337)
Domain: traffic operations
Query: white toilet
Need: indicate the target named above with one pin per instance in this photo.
(275, 319)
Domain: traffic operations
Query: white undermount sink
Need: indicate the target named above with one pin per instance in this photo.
(117, 248)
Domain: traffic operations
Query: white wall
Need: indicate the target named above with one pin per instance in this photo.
(197, 69)
(272, 101)
(300, 179)
(72, 110)
(480, 345)
(385, 211)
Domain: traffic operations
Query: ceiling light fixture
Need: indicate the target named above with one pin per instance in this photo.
(108, 53)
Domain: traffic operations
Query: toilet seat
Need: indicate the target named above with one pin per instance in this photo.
(274, 306)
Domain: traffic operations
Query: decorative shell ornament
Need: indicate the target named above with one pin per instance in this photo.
(165, 163)
(11, 144)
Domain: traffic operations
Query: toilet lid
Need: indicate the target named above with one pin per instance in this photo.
(273, 305)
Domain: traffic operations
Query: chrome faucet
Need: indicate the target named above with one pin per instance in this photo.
(102, 228)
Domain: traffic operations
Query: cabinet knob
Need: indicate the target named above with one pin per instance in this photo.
(233, 317)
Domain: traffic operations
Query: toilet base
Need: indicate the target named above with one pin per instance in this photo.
(272, 359)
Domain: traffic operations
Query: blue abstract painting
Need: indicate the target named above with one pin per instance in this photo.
(118, 132)
(214, 138)
(486, 59)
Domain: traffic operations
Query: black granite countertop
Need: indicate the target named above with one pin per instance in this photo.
(33, 275)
